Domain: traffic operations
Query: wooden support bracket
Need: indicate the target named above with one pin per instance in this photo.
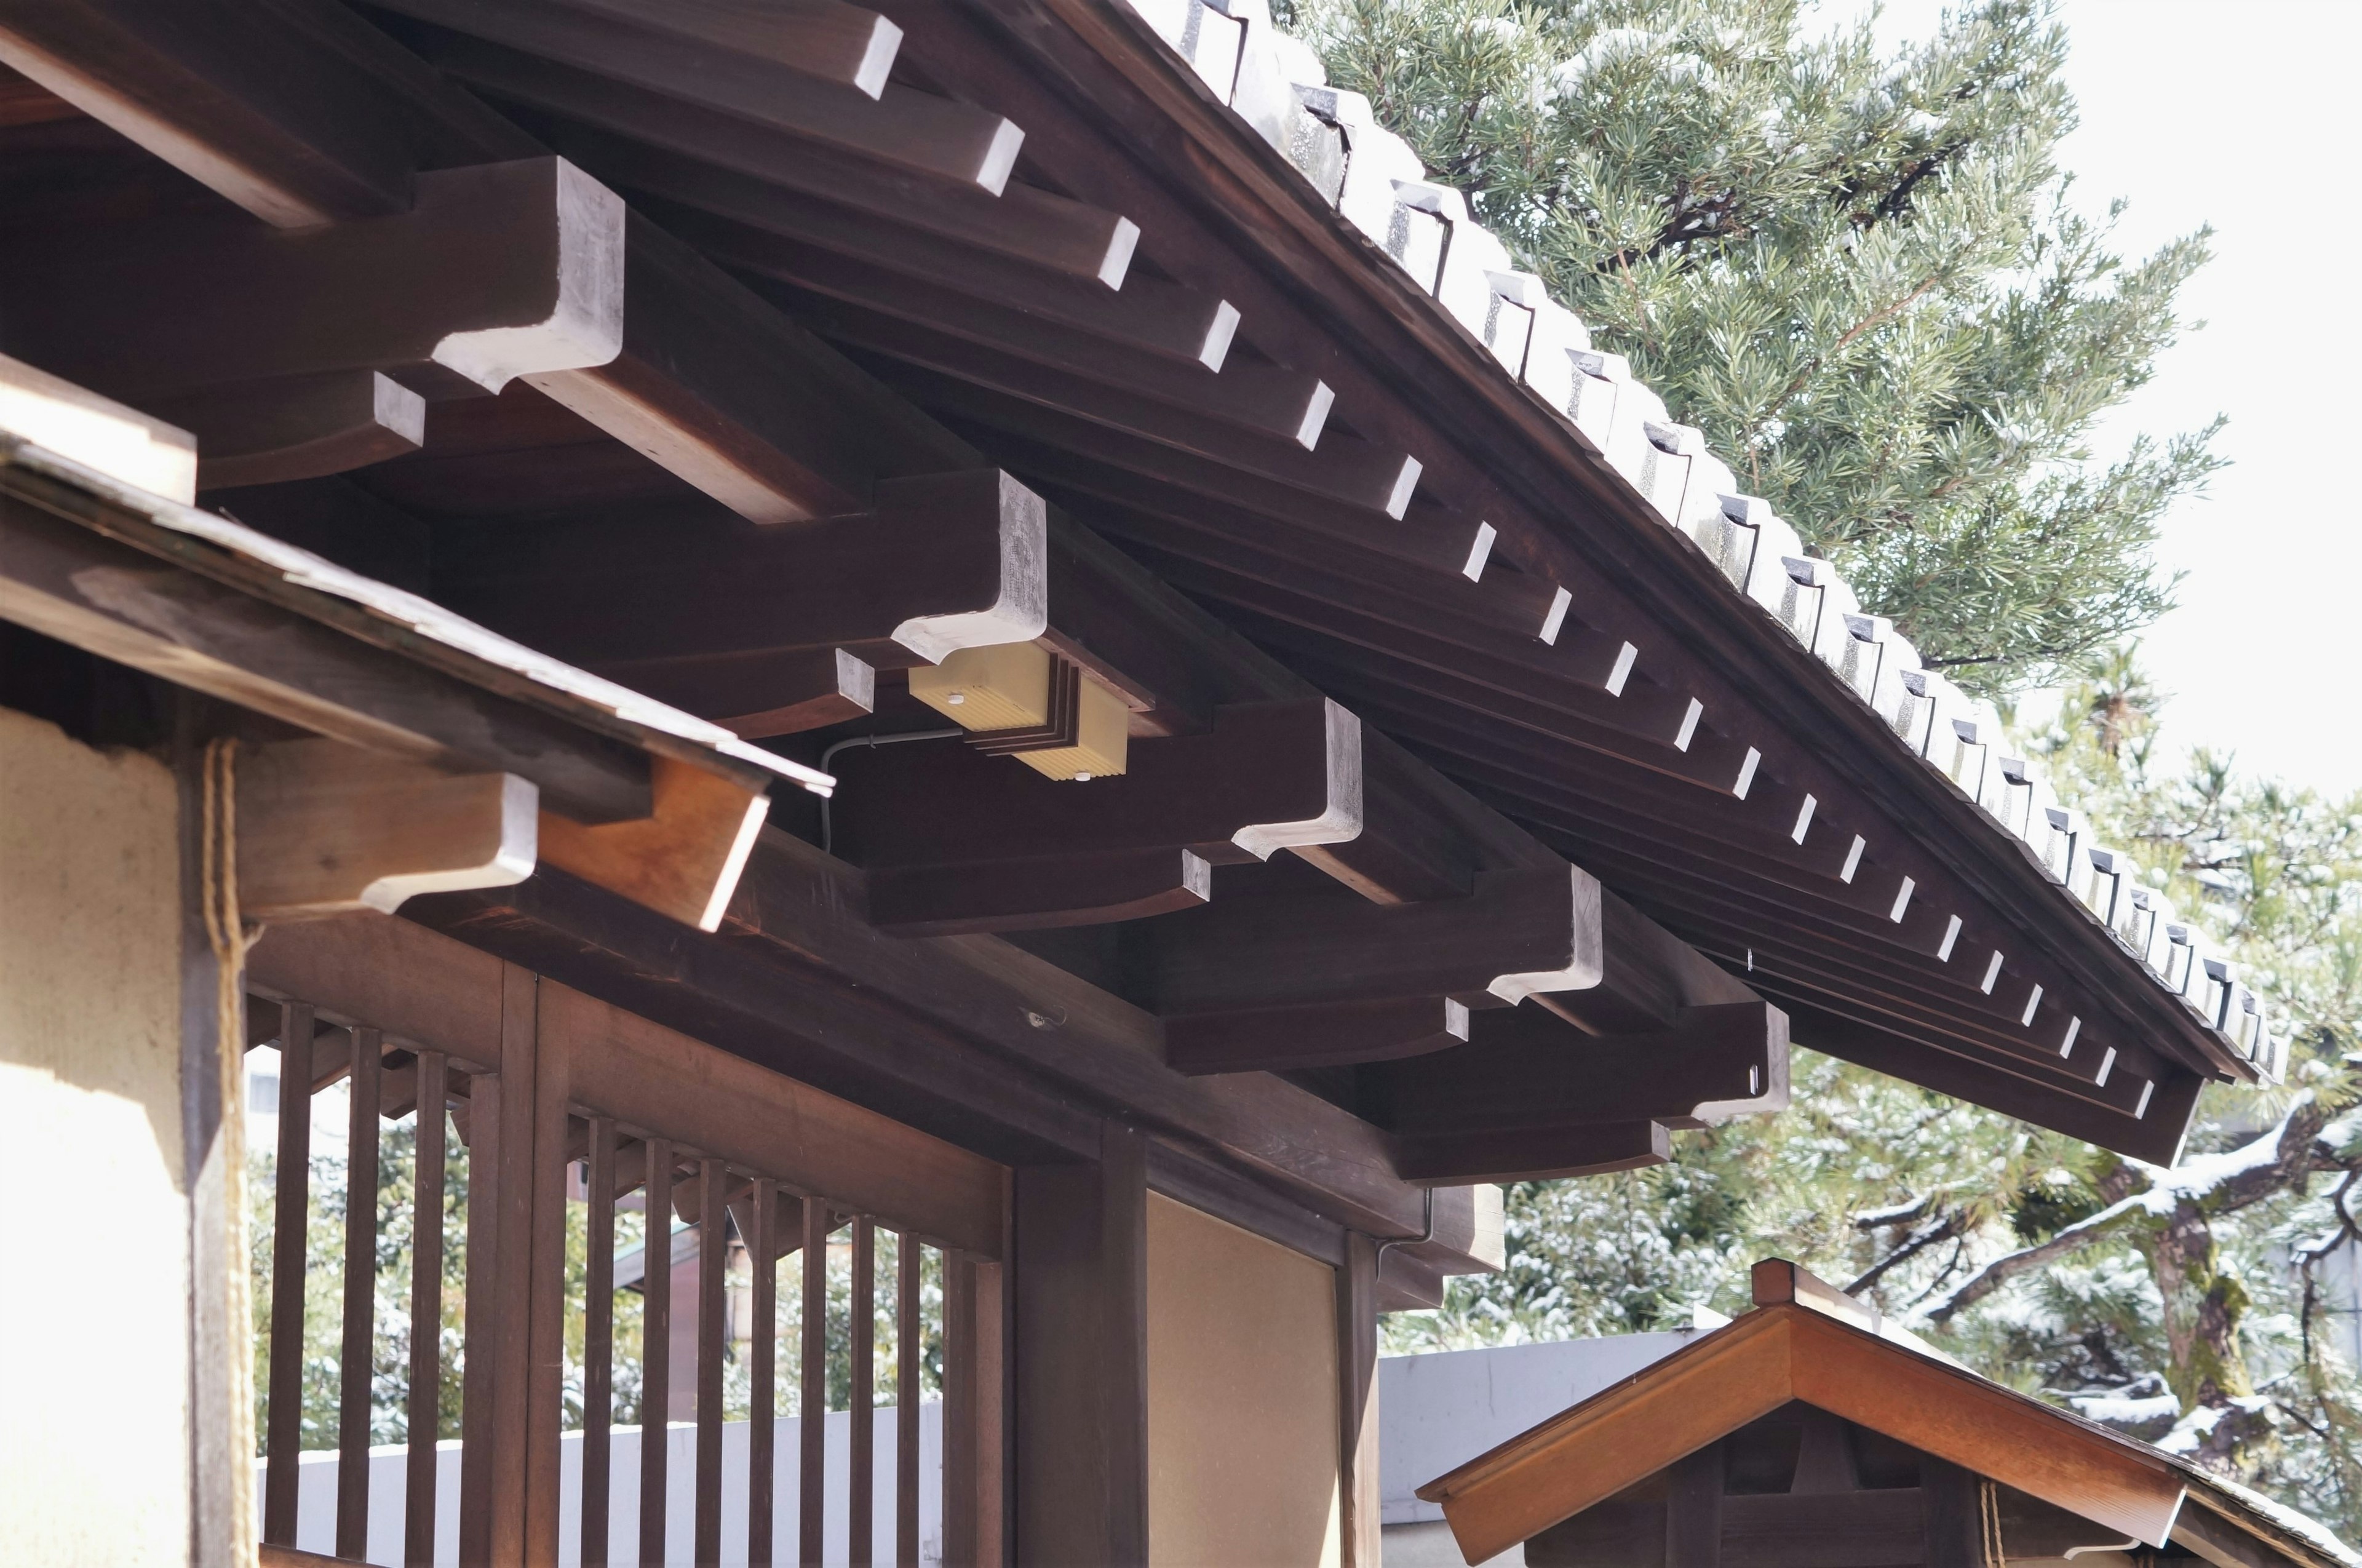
(301, 427)
(325, 828)
(683, 861)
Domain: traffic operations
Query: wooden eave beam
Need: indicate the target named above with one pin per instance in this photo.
(501, 269)
(1229, 212)
(946, 561)
(148, 609)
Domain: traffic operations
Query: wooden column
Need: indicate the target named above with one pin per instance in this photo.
(1080, 1380)
(1357, 1409)
(1954, 1525)
(516, 1292)
(1693, 1511)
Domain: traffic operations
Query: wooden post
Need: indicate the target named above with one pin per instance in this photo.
(1080, 1344)
(357, 1360)
(762, 1461)
(655, 1348)
(713, 1330)
(1693, 1511)
(1358, 1491)
(862, 1468)
(1950, 1493)
(291, 1224)
(424, 1419)
(909, 1356)
(599, 1342)
(811, 1475)
(516, 1282)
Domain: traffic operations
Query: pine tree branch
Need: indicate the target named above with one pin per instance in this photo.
(1943, 1228)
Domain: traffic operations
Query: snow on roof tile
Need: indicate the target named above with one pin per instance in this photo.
(1377, 182)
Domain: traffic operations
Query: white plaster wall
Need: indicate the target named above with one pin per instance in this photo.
(95, 1289)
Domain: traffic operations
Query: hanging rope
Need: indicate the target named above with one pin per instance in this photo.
(1989, 1522)
(226, 932)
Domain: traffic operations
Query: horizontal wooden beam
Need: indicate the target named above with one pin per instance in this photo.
(301, 112)
(717, 68)
(1268, 776)
(67, 582)
(1323, 1035)
(739, 220)
(1023, 222)
(299, 429)
(721, 389)
(326, 828)
(1525, 1069)
(1037, 894)
(1519, 932)
(683, 859)
(946, 562)
(1537, 1154)
(500, 271)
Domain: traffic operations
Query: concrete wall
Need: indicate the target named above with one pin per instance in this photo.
(1241, 1397)
(94, 1220)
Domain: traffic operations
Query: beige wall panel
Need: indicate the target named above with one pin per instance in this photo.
(93, 1214)
(1241, 1397)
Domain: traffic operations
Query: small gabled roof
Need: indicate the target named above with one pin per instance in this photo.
(1808, 1343)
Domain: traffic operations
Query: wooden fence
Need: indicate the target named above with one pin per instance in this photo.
(559, 1100)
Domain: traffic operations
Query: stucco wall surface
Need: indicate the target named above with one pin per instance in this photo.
(1242, 1398)
(95, 1326)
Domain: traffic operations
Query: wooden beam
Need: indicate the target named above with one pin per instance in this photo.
(1532, 1154)
(301, 427)
(714, 67)
(586, 113)
(947, 561)
(501, 269)
(326, 828)
(107, 598)
(1037, 894)
(301, 112)
(719, 388)
(1519, 932)
(1080, 1285)
(1524, 1068)
(737, 220)
(683, 859)
(1322, 1034)
(1268, 776)
(861, 304)
(769, 694)
(972, 385)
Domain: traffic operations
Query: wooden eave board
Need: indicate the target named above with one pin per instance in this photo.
(1775, 1355)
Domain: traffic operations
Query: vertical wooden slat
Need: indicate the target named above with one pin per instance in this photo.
(960, 1533)
(656, 1348)
(713, 1326)
(1952, 1520)
(283, 1438)
(545, 1381)
(909, 1359)
(357, 1364)
(812, 1472)
(424, 1419)
(762, 1474)
(599, 1342)
(1357, 1402)
(479, 1365)
(861, 1491)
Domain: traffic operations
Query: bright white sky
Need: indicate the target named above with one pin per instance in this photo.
(2245, 115)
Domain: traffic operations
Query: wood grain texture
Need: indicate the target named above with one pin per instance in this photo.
(683, 861)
